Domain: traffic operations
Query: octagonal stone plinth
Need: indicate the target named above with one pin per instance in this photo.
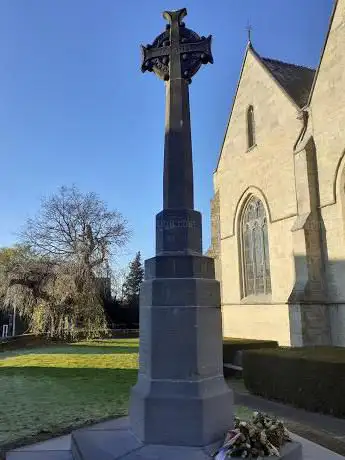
(175, 266)
(114, 440)
(181, 397)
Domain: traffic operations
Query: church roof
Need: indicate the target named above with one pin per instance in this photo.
(296, 80)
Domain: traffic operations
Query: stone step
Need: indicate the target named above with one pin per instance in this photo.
(40, 455)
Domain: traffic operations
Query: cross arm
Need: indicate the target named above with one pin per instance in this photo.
(203, 47)
(151, 53)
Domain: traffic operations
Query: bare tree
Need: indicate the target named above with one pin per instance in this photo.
(76, 226)
(118, 278)
(71, 241)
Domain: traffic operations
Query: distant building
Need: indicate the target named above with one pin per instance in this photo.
(6, 324)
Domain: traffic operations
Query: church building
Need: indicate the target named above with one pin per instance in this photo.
(278, 211)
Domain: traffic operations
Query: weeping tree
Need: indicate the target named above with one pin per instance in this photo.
(71, 239)
(10, 258)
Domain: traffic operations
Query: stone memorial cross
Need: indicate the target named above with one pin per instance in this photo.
(175, 56)
(181, 397)
(181, 406)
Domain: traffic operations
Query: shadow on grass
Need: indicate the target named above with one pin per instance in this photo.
(76, 349)
(111, 375)
(75, 397)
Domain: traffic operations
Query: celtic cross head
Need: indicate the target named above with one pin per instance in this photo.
(178, 52)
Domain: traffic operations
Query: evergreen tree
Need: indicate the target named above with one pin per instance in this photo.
(131, 285)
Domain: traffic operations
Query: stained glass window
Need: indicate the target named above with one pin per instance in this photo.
(250, 126)
(255, 250)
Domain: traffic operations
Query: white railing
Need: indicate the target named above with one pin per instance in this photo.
(4, 331)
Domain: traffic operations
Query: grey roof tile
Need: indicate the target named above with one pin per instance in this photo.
(296, 80)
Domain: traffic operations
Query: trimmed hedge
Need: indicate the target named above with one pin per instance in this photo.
(24, 341)
(125, 333)
(312, 378)
(33, 341)
(232, 345)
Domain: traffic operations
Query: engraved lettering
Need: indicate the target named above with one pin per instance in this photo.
(168, 224)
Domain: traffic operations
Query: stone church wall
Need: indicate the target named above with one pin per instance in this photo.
(335, 269)
(261, 318)
(267, 171)
(328, 123)
(328, 107)
(215, 235)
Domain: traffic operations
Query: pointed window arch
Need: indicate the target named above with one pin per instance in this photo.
(255, 251)
(250, 127)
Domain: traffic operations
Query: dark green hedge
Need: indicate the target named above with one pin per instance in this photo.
(311, 378)
(125, 334)
(24, 341)
(232, 345)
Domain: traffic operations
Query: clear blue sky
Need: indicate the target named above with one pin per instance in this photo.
(75, 108)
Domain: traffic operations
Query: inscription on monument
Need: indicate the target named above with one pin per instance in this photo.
(175, 223)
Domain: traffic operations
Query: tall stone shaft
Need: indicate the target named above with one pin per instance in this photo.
(175, 56)
(178, 165)
(181, 397)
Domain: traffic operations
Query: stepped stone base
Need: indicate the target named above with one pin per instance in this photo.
(181, 397)
(114, 440)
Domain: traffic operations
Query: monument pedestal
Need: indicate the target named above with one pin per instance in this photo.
(181, 397)
(181, 406)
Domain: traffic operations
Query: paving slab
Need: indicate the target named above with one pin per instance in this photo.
(111, 440)
(114, 440)
(113, 424)
(54, 444)
(312, 451)
(122, 444)
(40, 455)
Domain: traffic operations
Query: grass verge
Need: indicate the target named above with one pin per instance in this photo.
(49, 391)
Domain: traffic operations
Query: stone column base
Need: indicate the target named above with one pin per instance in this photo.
(181, 397)
(116, 441)
(309, 324)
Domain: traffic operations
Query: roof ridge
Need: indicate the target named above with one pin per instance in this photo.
(288, 64)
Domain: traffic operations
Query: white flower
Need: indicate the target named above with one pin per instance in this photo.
(252, 432)
(263, 437)
(274, 450)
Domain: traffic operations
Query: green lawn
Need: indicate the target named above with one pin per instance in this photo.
(48, 391)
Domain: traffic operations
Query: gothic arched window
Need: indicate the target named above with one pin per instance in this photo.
(250, 127)
(255, 251)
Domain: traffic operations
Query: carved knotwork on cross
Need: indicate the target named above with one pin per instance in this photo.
(178, 52)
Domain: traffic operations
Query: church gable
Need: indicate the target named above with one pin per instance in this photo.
(262, 130)
(330, 76)
(268, 93)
